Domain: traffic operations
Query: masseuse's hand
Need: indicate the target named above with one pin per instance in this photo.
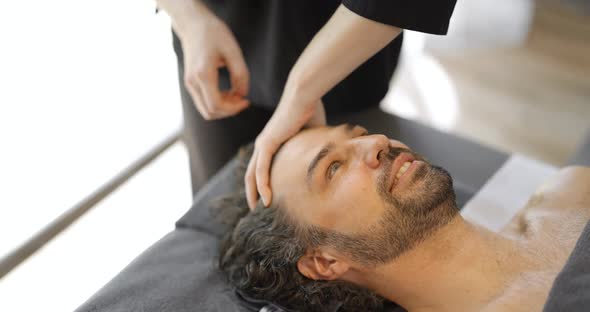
(208, 44)
(286, 121)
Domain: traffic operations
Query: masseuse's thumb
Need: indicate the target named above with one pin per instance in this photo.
(263, 164)
(238, 71)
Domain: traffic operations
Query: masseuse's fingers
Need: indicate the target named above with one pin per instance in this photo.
(209, 79)
(257, 178)
(192, 86)
(238, 71)
(219, 105)
(283, 125)
(266, 152)
(285, 122)
(250, 181)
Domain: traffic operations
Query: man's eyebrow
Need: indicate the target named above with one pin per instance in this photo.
(315, 161)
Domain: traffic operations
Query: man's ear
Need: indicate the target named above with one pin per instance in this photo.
(322, 265)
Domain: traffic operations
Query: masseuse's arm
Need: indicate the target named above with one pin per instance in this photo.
(342, 45)
(345, 42)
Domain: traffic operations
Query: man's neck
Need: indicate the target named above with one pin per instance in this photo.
(461, 266)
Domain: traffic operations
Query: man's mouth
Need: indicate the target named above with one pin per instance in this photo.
(400, 165)
(403, 169)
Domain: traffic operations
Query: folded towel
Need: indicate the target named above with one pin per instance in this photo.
(506, 192)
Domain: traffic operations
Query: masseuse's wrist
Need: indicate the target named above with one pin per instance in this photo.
(303, 79)
(186, 16)
(298, 113)
(300, 91)
(297, 104)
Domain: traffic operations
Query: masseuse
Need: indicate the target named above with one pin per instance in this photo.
(264, 69)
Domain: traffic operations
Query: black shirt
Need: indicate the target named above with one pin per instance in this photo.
(273, 33)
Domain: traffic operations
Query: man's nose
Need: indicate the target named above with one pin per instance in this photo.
(371, 146)
(397, 144)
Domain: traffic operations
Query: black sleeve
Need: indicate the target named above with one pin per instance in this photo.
(429, 16)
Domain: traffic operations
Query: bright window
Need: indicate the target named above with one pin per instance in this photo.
(86, 88)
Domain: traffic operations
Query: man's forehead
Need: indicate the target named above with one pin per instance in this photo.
(310, 141)
(300, 149)
(289, 171)
(288, 168)
(291, 162)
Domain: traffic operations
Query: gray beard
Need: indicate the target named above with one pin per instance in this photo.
(407, 221)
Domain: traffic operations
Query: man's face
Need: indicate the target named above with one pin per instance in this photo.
(369, 188)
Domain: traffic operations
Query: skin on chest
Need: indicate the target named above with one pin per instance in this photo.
(527, 294)
(548, 228)
(549, 239)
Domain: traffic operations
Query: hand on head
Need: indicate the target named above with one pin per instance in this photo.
(288, 119)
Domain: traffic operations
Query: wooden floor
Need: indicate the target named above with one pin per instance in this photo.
(532, 98)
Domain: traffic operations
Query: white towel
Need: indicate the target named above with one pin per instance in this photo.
(506, 192)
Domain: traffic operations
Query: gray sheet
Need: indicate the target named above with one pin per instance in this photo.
(175, 274)
(571, 289)
(582, 155)
(178, 273)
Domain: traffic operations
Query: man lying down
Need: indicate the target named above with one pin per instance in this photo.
(359, 220)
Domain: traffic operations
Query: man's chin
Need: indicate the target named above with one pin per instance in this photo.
(421, 173)
(431, 186)
(439, 187)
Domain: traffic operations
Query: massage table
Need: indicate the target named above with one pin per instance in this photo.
(178, 272)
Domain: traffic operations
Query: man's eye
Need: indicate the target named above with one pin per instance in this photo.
(332, 169)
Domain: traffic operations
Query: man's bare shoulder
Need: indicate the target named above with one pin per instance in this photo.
(528, 293)
(550, 224)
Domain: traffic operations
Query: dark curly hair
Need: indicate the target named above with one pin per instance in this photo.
(259, 256)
